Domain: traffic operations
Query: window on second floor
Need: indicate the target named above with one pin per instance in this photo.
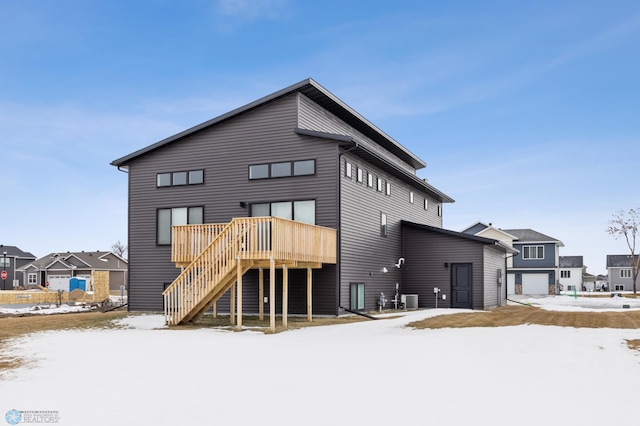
(5, 262)
(533, 252)
(282, 169)
(191, 177)
(565, 274)
(625, 273)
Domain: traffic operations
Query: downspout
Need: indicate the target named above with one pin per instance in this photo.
(127, 274)
(339, 233)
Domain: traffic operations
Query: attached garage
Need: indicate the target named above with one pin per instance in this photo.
(468, 270)
(59, 282)
(535, 284)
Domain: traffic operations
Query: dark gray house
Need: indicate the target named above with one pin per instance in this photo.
(535, 267)
(11, 259)
(200, 203)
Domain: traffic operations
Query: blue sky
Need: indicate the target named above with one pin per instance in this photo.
(527, 113)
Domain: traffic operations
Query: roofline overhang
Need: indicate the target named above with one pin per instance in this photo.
(365, 152)
(483, 240)
(311, 89)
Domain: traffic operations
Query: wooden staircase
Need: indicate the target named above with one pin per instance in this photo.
(215, 256)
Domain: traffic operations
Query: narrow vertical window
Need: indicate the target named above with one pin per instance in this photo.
(439, 209)
(360, 173)
(411, 197)
(347, 169)
(369, 180)
(388, 188)
(426, 204)
(383, 224)
(379, 185)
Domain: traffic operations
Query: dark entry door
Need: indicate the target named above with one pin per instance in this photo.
(461, 285)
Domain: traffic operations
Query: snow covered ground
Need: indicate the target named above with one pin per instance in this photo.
(373, 372)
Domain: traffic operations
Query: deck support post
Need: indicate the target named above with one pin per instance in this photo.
(285, 295)
(309, 295)
(232, 304)
(261, 294)
(272, 294)
(239, 296)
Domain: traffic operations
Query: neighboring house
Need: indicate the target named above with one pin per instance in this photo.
(300, 154)
(65, 271)
(571, 273)
(487, 230)
(535, 267)
(588, 281)
(11, 259)
(620, 272)
(602, 282)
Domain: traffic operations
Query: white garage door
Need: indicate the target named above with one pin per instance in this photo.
(59, 282)
(535, 284)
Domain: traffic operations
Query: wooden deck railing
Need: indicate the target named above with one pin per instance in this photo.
(212, 269)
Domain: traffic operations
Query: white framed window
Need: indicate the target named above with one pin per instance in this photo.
(411, 197)
(347, 169)
(533, 252)
(32, 278)
(426, 204)
(360, 174)
(565, 274)
(571, 287)
(369, 180)
(379, 185)
(5, 262)
(388, 188)
(619, 287)
(439, 209)
(625, 273)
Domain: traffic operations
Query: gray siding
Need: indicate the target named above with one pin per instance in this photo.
(426, 255)
(225, 151)
(363, 251)
(549, 260)
(615, 279)
(314, 117)
(494, 293)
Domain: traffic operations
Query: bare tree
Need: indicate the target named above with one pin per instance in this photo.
(626, 224)
(120, 249)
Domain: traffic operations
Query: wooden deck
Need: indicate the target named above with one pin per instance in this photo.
(216, 256)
